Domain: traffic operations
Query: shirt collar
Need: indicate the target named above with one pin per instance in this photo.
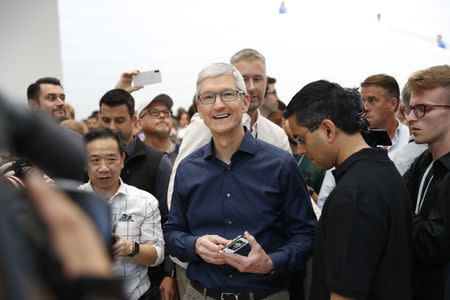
(373, 154)
(246, 121)
(248, 145)
(120, 191)
(397, 136)
(445, 160)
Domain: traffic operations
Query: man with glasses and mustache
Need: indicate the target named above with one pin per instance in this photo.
(156, 123)
(428, 181)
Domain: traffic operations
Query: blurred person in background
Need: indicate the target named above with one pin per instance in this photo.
(92, 120)
(70, 112)
(277, 116)
(183, 121)
(76, 126)
(270, 103)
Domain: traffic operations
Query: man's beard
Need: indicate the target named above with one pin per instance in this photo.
(162, 134)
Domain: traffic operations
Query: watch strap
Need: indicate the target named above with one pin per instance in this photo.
(135, 249)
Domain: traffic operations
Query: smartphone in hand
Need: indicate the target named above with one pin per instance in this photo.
(148, 77)
(235, 244)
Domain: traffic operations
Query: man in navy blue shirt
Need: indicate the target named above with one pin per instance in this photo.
(237, 185)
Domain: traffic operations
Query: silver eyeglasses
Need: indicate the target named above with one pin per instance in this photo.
(225, 96)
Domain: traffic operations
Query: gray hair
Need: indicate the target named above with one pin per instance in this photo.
(217, 69)
(248, 54)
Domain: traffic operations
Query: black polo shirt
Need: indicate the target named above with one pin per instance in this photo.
(362, 241)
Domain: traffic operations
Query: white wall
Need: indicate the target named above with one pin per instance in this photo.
(326, 39)
(29, 45)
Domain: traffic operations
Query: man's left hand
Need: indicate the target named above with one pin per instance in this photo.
(257, 260)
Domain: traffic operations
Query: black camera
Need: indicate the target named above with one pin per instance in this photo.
(21, 167)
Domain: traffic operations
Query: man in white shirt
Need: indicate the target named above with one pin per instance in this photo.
(380, 95)
(136, 219)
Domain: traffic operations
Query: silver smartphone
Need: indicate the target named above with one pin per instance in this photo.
(148, 77)
(235, 244)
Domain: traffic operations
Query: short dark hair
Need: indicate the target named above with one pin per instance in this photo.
(387, 82)
(34, 89)
(118, 97)
(270, 80)
(320, 100)
(106, 133)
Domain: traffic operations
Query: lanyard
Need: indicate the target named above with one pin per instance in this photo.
(420, 196)
(300, 160)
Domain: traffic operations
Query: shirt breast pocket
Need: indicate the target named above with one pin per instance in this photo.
(128, 226)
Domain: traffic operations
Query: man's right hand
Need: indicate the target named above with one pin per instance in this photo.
(208, 247)
(126, 82)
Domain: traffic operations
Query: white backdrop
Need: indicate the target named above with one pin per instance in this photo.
(335, 40)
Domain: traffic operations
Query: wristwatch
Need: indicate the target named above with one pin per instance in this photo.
(135, 250)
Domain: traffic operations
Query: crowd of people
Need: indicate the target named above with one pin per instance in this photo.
(342, 193)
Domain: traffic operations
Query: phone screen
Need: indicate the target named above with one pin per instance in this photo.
(235, 244)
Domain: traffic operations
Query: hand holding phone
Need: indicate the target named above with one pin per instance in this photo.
(235, 244)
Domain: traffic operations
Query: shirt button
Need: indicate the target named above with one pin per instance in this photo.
(228, 195)
(231, 276)
(229, 222)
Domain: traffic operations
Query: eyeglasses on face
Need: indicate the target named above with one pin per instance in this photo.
(225, 96)
(299, 140)
(421, 109)
(156, 113)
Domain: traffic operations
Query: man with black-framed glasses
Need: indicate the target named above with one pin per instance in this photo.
(428, 181)
(156, 123)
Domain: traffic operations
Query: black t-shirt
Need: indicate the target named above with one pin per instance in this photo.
(431, 228)
(362, 242)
